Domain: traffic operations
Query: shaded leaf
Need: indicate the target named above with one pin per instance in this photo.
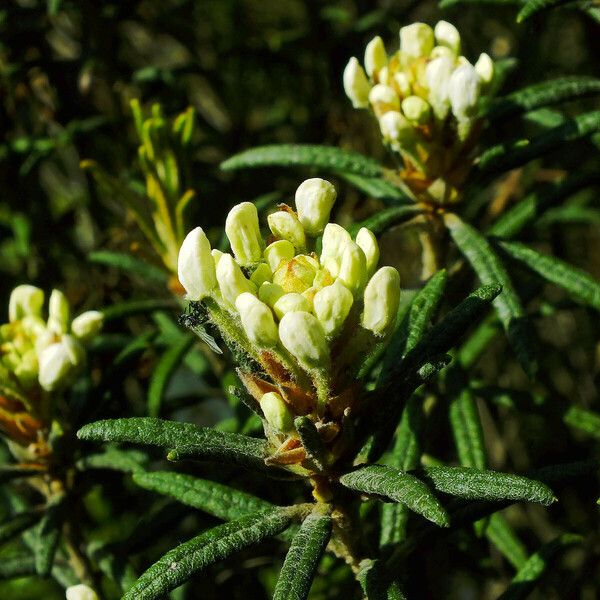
(533, 7)
(10, 472)
(376, 582)
(312, 442)
(18, 523)
(17, 565)
(499, 532)
(137, 307)
(583, 419)
(385, 219)
(47, 537)
(467, 430)
(376, 187)
(127, 461)
(126, 262)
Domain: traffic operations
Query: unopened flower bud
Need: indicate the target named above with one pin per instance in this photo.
(381, 301)
(447, 35)
(303, 336)
(314, 200)
(395, 128)
(243, 232)
(27, 368)
(81, 592)
(216, 254)
(332, 305)
(485, 68)
(296, 275)
(58, 312)
(463, 91)
(276, 411)
(356, 84)
(257, 321)
(196, 265)
(231, 280)
(87, 324)
(286, 226)
(439, 51)
(292, 302)
(402, 83)
(383, 98)
(335, 239)
(281, 250)
(269, 293)
(438, 74)
(353, 268)
(261, 274)
(25, 300)
(375, 56)
(416, 40)
(56, 363)
(416, 110)
(367, 241)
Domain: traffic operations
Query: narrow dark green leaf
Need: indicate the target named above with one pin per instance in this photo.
(18, 523)
(163, 371)
(303, 557)
(449, 3)
(377, 583)
(312, 442)
(376, 187)
(533, 7)
(467, 430)
(500, 533)
(478, 341)
(305, 155)
(17, 565)
(543, 94)
(137, 307)
(47, 537)
(216, 499)
(127, 461)
(397, 486)
(385, 219)
(115, 567)
(575, 281)
(126, 262)
(583, 419)
(189, 441)
(504, 157)
(474, 484)
(529, 574)
(571, 214)
(10, 472)
(181, 563)
(490, 270)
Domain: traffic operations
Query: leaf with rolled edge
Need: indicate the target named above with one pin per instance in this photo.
(584, 420)
(575, 281)
(376, 187)
(499, 532)
(510, 155)
(137, 307)
(47, 535)
(383, 220)
(312, 442)
(185, 439)
(302, 559)
(529, 574)
(533, 7)
(377, 583)
(543, 94)
(474, 484)
(398, 486)
(533, 205)
(17, 523)
(182, 562)
(490, 269)
(130, 264)
(571, 214)
(164, 370)
(17, 565)
(328, 158)
(127, 461)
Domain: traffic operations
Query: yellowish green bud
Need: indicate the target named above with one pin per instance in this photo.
(81, 592)
(381, 301)
(57, 362)
(402, 83)
(395, 128)
(196, 266)
(231, 280)
(485, 68)
(335, 239)
(314, 200)
(356, 84)
(353, 268)
(463, 91)
(286, 226)
(25, 300)
(292, 302)
(375, 56)
(257, 321)
(296, 275)
(437, 75)
(216, 254)
(416, 110)
(33, 325)
(384, 76)
(277, 413)
(269, 293)
(332, 305)
(278, 251)
(243, 232)
(26, 370)
(383, 98)
(439, 51)
(367, 241)
(87, 324)
(58, 312)
(447, 35)
(261, 274)
(304, 338)
(416, 40)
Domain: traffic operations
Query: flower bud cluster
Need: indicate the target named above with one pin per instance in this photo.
(290, 305)
(425, 97)
(40, 352)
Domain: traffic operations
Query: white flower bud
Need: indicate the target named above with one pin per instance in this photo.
(402, 83)
(384, 76)
(447, 35)
(279, 251)
(261, 274)
(81, 592)
(335, 239)
(25, 300)
(196, 265)
(231, 280)
(332, 305)
(395, 128)
(356, 84)
(381, 301)
(257, 321)
(243, 232)
(437, 75)
(367, 241)
(276, 411)
(269, 293)
(58, 312)
(485, 68)
(383, 98)
(57, 363)
(292, 302)
(302, 335)
(375, 56)
(463, 91)
(416, 40)
(216, 254)
(353, 268)
(87, 324)
(286, 226)
(314, 200)
(439, 51)
(416, 110)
